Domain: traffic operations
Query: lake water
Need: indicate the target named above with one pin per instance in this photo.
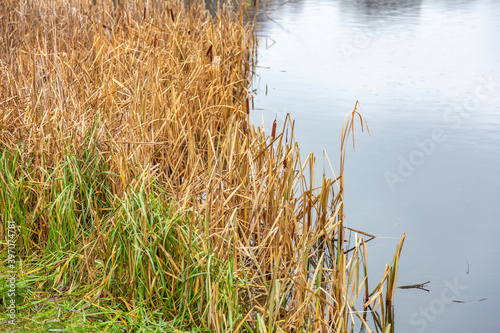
(427, 76)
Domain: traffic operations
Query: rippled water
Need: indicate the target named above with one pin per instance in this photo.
(427, 75)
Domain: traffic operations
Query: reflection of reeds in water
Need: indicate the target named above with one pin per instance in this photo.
(136, 181)
(381, 308)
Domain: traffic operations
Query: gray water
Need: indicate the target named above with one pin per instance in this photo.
(427, 76)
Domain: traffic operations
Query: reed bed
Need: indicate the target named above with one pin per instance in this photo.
(143, 198)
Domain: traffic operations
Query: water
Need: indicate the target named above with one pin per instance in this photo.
(427, 75)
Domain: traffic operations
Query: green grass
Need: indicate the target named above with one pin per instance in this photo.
(137, 251)
(137, 260)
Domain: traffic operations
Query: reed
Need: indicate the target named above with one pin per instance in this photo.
(143, 197)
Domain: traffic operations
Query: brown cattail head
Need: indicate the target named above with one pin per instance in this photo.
(156, 40)
(248, 104)
(144, 12)
(273, 132)
(209, 52)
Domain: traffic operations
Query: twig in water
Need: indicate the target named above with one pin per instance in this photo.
(416, 286)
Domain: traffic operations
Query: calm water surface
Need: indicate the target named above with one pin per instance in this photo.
(427, 75)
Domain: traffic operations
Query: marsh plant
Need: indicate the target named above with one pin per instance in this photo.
(143, 197)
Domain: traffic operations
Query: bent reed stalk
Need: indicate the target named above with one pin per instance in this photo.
(142, 195)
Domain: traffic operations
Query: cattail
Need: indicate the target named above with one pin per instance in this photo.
(156, 40)
(144, 12)
(209, 52)
(273, 132)
(248, 105)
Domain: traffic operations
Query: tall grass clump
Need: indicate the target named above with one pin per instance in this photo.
(142, 197)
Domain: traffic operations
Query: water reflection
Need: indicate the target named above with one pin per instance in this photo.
(375, 8)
